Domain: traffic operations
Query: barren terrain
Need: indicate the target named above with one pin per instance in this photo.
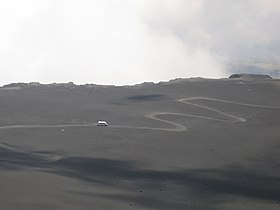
(184, 144)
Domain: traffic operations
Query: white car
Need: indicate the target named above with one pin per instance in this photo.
(102, 123)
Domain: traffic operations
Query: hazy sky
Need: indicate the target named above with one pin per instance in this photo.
(131, 41)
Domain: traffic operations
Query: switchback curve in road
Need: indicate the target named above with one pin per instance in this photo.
(155, 116)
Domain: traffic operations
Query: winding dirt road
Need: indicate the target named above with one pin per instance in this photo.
(156, 116)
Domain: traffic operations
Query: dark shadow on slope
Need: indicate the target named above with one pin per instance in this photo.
(205, 184)
(145, 98)
(233, 180)
(15, 158)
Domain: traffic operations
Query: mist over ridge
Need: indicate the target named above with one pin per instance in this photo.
(128, 42)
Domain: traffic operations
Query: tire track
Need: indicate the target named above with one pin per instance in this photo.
(24, 156)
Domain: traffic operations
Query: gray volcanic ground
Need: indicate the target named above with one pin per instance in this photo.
(183, 144)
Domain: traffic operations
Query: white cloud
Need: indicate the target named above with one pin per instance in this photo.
(269, 6)
(129, 41)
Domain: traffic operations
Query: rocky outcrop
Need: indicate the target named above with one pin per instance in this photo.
(250, 76)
